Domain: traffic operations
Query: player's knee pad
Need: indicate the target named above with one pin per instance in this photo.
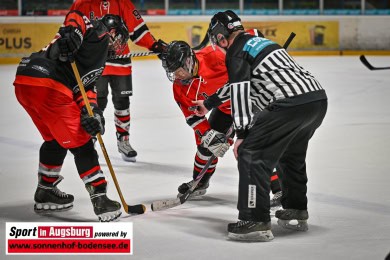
(52, 153)
(121, 103)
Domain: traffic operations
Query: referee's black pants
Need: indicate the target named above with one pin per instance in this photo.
(280, 135)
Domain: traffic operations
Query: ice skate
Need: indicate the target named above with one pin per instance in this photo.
(51, 199)
(124, 147)
(275, 202)
(298, 217)
(250, 231)
(200, 190)
(105, 209)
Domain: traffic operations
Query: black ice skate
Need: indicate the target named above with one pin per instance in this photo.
(48, 198)
(276, 201)
(286, 215)
(105, 209)
(250, 231)
(124, 147)
(200, 190)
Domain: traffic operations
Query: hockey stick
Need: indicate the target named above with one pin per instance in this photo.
(135, 54)
(167, 204)
(203, 44)
(147, 53)
(136, 209)
(289, 40)
(369, 66)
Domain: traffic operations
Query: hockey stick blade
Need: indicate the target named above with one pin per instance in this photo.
(136, 209)
(369, 66)
(167, 204)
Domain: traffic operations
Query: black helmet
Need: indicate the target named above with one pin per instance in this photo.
(224, 23)
(119, 34)
(179, 54)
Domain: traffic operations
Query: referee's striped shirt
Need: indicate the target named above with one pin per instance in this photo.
(260, 73)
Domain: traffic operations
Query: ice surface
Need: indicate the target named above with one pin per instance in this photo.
(348, 170)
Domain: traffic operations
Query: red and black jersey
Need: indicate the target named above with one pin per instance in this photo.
(212, 75)
(138, 30)
(43, 68)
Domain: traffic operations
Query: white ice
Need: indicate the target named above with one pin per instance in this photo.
(348, 169)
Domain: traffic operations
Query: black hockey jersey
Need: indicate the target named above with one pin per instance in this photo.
(43, 68)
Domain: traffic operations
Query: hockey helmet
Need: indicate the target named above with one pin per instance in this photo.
(222, 25)
(179, 61)
(119, 34)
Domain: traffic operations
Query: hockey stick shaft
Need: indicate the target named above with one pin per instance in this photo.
(136, 54)
(364, 60)
(203, 44)
(289, 40)
(128, 209)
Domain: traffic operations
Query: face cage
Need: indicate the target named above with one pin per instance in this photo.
(217, 28)
(190, 65)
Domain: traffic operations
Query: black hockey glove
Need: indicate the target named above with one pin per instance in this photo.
(92, 124)
(69, 43)
(215, 142)
(159, 47)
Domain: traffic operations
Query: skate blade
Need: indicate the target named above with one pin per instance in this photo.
(42, 208)
(109, 216)
(128, 159)
(300, 226)
(195, 194)
(257, 236)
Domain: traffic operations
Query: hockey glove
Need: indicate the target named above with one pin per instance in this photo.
(69, 43)
(159, 47)
(92, 124)
(215, 142)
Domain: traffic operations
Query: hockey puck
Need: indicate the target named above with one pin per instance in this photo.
(137, 209)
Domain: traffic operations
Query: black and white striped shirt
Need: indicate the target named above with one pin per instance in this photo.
(260, 73)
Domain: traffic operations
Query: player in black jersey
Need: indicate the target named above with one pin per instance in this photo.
(47, 89)
(276, 106)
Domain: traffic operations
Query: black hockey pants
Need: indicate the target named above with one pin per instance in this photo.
(279, 135)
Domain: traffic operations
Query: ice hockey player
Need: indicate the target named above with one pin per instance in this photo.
(46, 87)
(118, 71)
(290, 105)
(197, 76)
